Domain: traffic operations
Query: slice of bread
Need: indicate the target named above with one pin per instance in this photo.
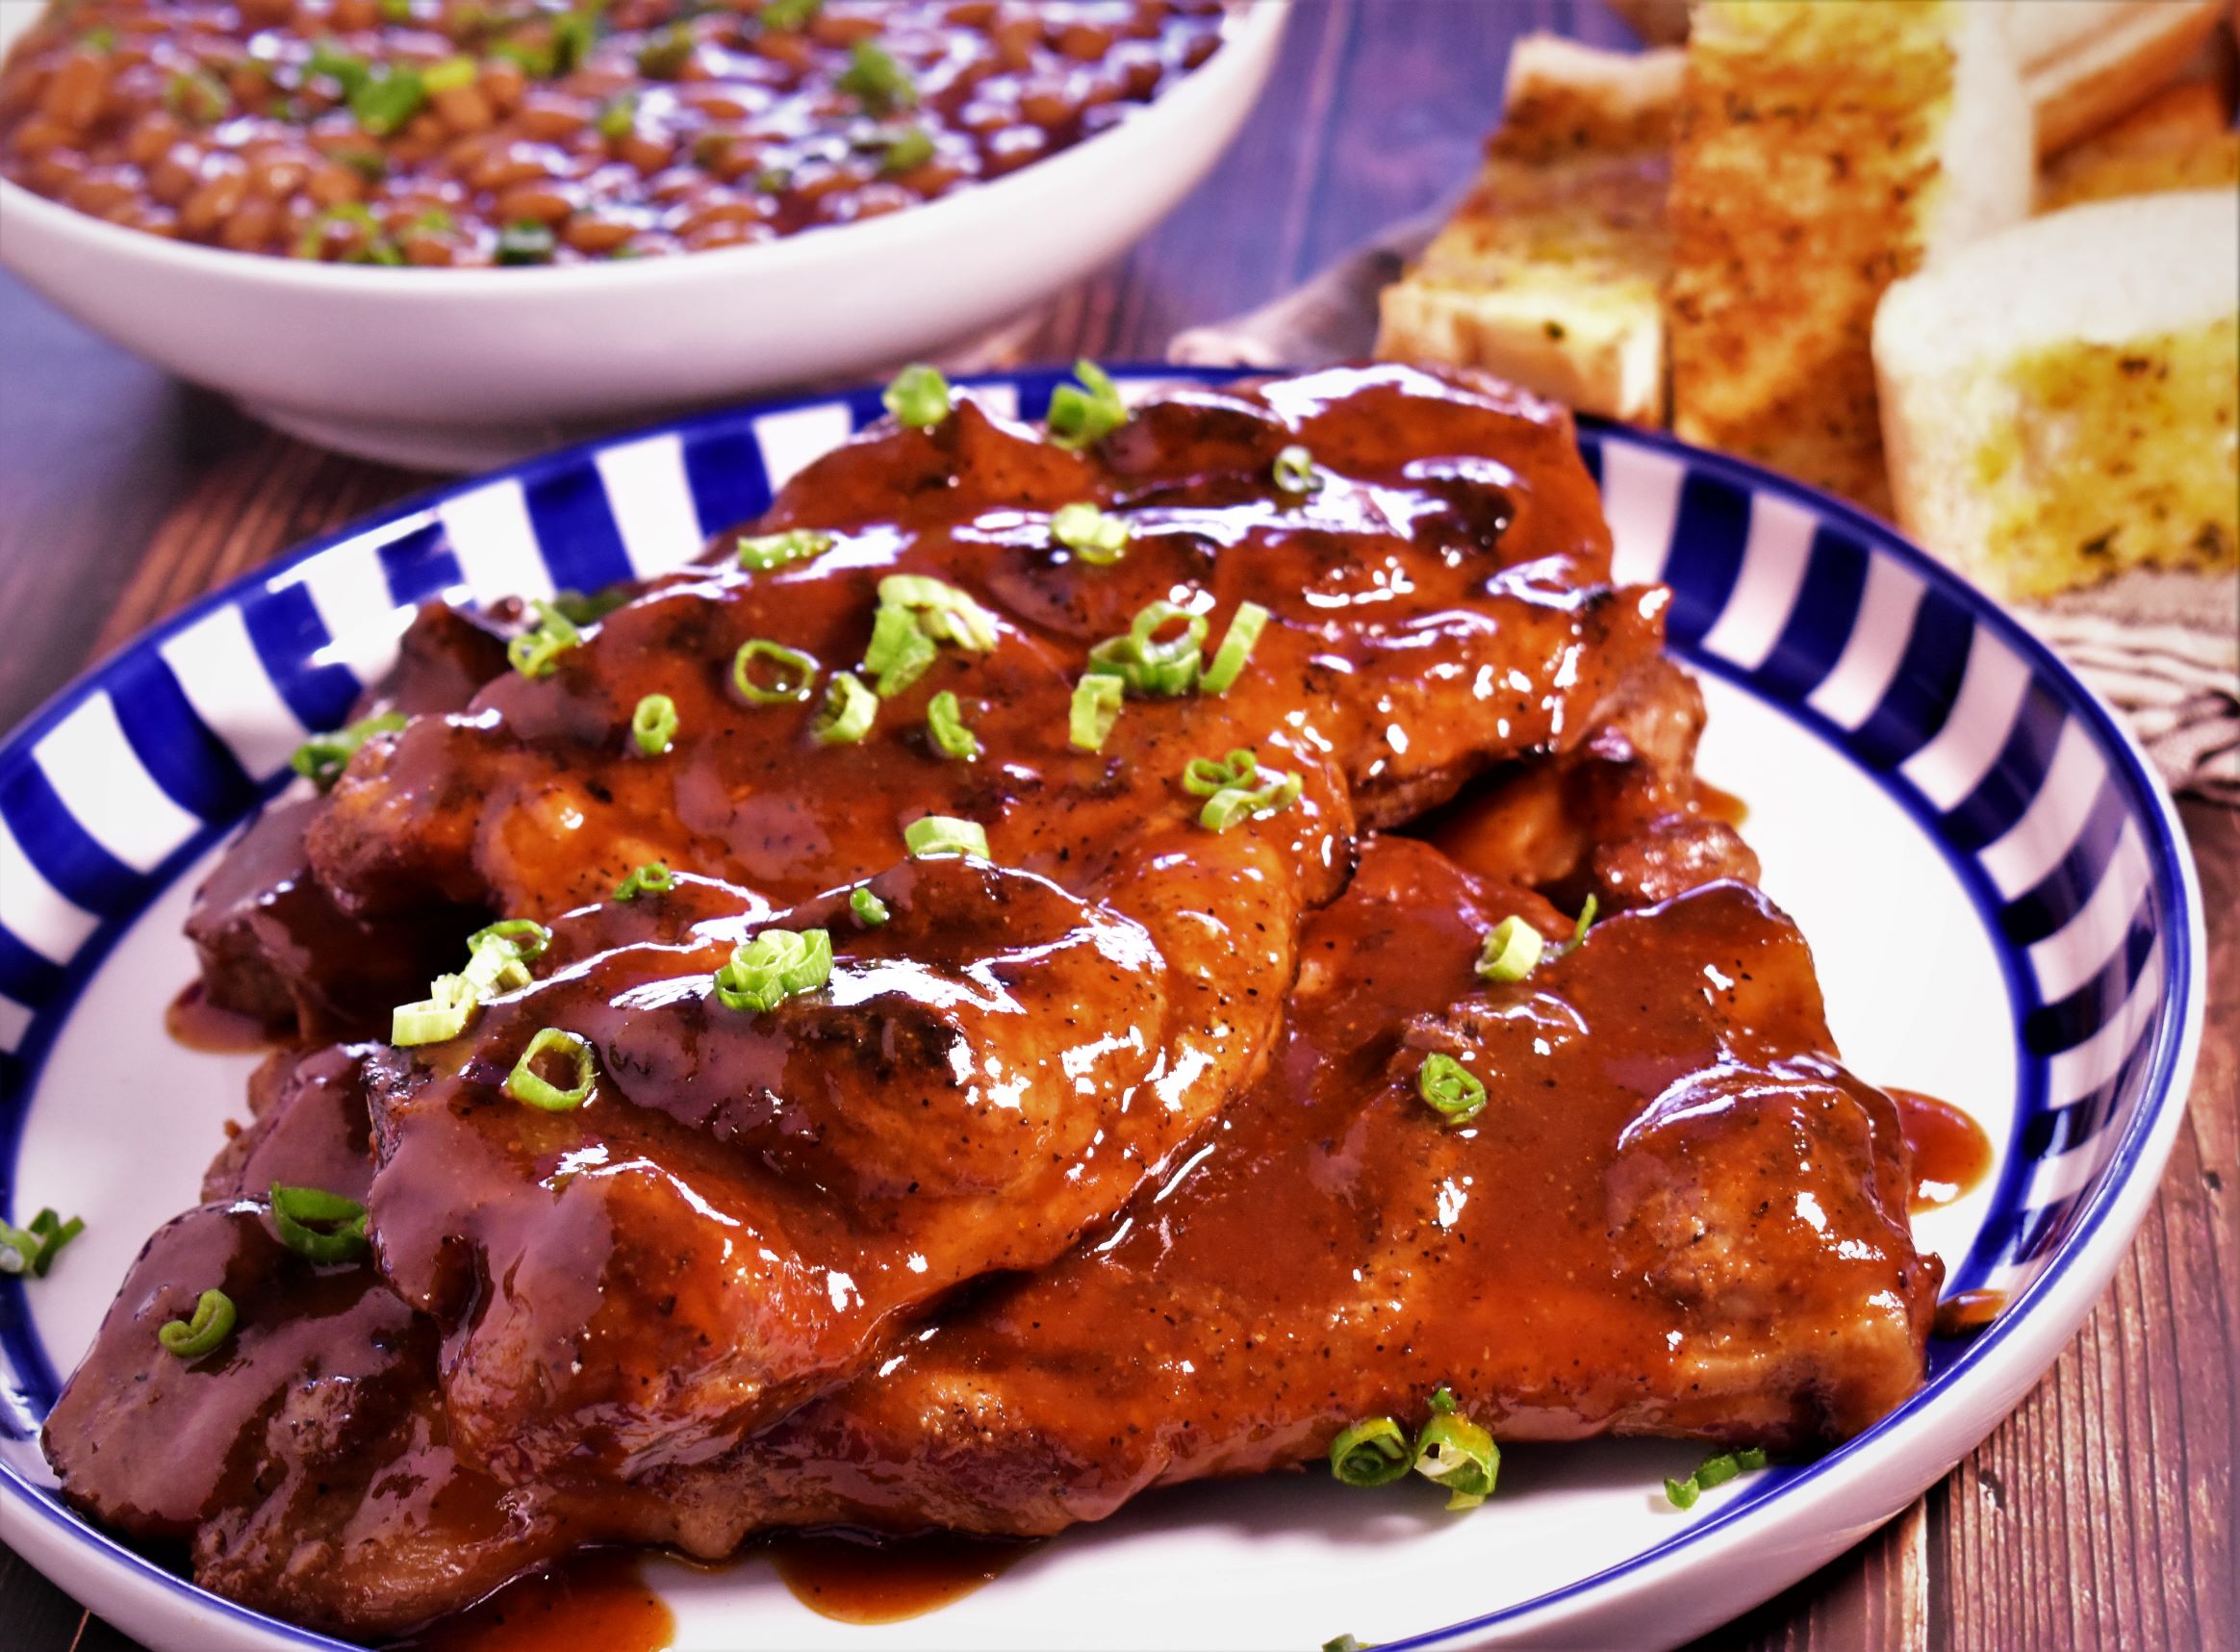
(1824, 151)
(2180, 139)
(2087, 61)
(1549, 274)
(2059, 400)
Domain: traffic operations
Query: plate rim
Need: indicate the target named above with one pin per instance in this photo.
(1993, 1361)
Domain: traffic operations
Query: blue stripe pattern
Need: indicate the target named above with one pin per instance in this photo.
(2034, 889)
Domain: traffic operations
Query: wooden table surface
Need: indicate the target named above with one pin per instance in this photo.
(2099, 1514)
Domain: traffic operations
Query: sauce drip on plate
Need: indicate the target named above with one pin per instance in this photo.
(858, 1581)
(194, 1023)
(594, 1602)
(1950, 1153)
(1965, 1312)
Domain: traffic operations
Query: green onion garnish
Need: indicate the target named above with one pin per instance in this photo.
(434, 222)
(534, 653)
(578, 607)
(345, 69)
(666, 52)
(1236, 646)
(212, 1323)
(1345, 1643)
(877, 80)
(944, 722)
(196, 96)
(1147, 665)
(907, 150)
(651, 878)
(525, 1085)
(1295, 472)
(1096, 707)
(618, 115)
(525, 243)
(1450, 1088)
(32, 1250)
(944, 613)
(1715, 1469)
(794, 672)
(654, 724)
(442, 1015)
(1456, 1452)
(320, 1225)
(1586, 922)
(1092, 535)
(373, 248)
(763, 552)
(101, 39)
(775, 965)
(1085, 414)
(788, 16)
(1232, 804)
(1510, 951)
(322, 758)
(869, 909)
(934, 835)
(847, 711)
(899, 652)
(499, 955)
(451, 74)
(1205, 776)
(388, 98)
(918, 397)
(1372, 1451)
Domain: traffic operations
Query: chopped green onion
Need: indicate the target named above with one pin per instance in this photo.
(320, 1225)
(1372, 1451)
(1295, 472)
(196, 95)
(371, 164)
(796, 672)
(534, 653)
(763, 552)
(1096, 707)
(322, 758)
(442, 1015)
(775, 965)
(934, 835)
(1232, 804)
(945, 614)
(666, 52)
(847, 713)
(1715, 1469)
(1451, 1089)
(898, 652)
(1205, 776)
(1147, 665)
(451, 74)
(907, 150)
(525, 1085)
(618, 115)
(1681, 1493)
(944, 722)
(525, 243)
(1092, 535)
(1510, 951)
(396, 10)
(1345, 1643)
(344, 68)
(32, 1250)
(212, 1323)
(877, 80)
(101, 39)
(788, 15)
(651, 878)
(1083, 415)
(388, 98)
(869, 909)
(436, 221)
(1586, 922)
(499, 955)
(1751, 1457)
(573, 33)
(654, 724)
(1456, 1452)
(918, 397)
(375, 246)
(1236, 644)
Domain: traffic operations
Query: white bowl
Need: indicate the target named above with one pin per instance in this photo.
(463, 368)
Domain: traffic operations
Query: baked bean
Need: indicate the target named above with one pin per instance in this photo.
(677, 125)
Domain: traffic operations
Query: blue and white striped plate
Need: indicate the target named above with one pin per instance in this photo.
(1997, 893)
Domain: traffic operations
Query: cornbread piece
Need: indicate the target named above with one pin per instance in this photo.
(1825, 151)
(2059, 398)
(1551, 273)
(2181, 139)
(2087, 61)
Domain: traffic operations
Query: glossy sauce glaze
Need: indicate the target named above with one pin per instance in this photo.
(596, 1601)
(193, 1023)
(1951, 1154)
(438, 133)
(856, 1580)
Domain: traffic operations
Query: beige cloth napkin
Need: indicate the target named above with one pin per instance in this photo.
(2164, 648)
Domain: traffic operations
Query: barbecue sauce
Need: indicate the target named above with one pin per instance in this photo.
(852, 1580)
(194, 1023)
(1950, 1153)
(594, 1602)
